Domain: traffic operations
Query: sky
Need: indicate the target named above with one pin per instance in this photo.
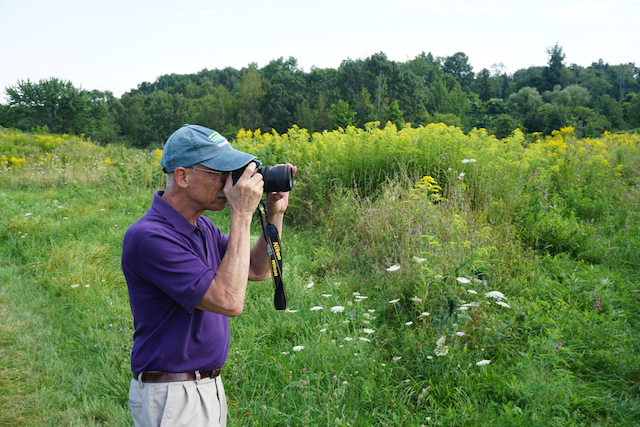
(114, 45)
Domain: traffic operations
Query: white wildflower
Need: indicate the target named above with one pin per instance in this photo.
(395, 359)
(323, 330)
(441, 349)
(348, 339)
(425, 313)
(483, 362)
(469, 304)
(393, 268)
(368, 330)
(463, 280)
(75, 285)
(471, 291)
(316, 308)
(417, 259)
(461, 175)
(495, 294)
(326, 295)
(310, 285)
(460, 334)
(504, 304)
(365, 339)
(393, 301)
(298, 348)
(409, 323)
(469, 160)
(337, 309)
(416, 299)
(360, 297)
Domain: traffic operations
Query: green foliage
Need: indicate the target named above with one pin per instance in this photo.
(464, 280)
(59, 106)
(280, 95)
(503, 126)
(342, 115)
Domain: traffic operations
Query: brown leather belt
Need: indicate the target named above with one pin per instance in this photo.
(163, 377)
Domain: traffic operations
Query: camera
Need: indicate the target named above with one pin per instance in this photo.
(276, 178)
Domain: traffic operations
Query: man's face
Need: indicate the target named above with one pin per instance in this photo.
(208, 188)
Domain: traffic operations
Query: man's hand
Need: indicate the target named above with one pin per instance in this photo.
(277, 202)
(243, 197)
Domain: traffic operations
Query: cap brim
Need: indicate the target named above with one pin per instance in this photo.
(229, 161)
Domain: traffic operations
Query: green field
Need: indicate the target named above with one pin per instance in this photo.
(434, 278)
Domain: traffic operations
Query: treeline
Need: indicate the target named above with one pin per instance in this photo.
(423, 90)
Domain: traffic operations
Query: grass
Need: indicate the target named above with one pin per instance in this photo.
(562, 348)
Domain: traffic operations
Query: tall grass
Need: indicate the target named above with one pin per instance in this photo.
(394, 317)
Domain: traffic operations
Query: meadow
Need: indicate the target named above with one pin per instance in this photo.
(434, 278)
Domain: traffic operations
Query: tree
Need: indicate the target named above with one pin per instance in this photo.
(632, 110)
(588, 123)
(484, 86)
(572, 96)
(286, 94)
(214, 110)
(594, 79)
(163, 114)
(458, 66)
(342, 115)
(623, 75)
(556, 73)
(322, 114)
(503, 126)
(526, 101)
(528, 77)
(553, 117)
(525, 104)
(612, 110)
(58, 105)
(394, 115)
(250, 98)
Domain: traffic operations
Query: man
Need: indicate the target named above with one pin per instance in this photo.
(185, 278)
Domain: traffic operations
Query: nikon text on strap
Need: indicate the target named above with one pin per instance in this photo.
(275, 258)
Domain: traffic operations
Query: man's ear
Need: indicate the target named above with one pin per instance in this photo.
(181, 177)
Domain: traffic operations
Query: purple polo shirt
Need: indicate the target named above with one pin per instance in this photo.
(169, 264)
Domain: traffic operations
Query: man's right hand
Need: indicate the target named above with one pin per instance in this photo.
(243, 197)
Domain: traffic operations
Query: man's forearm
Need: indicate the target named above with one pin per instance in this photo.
(227, 290)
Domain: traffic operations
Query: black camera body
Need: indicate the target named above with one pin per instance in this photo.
(276, 178)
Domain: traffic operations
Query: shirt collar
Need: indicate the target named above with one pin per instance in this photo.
(176, 219)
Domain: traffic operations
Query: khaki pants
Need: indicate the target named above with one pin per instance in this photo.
(183, 403)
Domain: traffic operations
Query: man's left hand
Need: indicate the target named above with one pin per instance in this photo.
(277, 202)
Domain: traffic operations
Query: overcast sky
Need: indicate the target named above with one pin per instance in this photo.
(117, 44)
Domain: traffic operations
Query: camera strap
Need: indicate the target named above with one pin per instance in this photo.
(274, 251)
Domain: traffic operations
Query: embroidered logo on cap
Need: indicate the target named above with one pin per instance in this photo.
(218, 139)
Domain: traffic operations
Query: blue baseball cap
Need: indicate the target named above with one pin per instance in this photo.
(193, 144)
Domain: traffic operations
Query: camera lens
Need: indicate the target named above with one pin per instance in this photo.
(277, 178)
